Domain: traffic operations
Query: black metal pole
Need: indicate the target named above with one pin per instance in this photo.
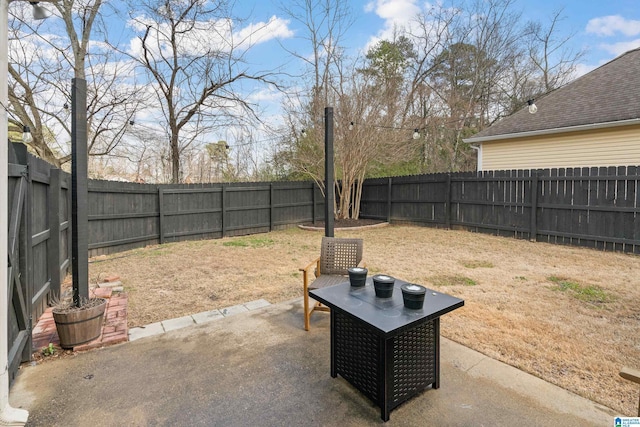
(79, 192)
(328, 172)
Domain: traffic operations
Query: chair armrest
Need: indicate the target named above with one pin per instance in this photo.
(305, 274)
(312, 263)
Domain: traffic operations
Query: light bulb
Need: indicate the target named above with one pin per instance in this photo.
(39, 12)
(26, 135)
(533, 108)
(416, 134)
(351, 126)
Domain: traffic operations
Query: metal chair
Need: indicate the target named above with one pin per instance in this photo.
(337, 255)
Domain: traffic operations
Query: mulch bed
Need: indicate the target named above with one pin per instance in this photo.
(346, 223)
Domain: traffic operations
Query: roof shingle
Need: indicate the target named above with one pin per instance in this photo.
(609, 93)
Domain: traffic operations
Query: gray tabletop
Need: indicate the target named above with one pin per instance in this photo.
(387, 315)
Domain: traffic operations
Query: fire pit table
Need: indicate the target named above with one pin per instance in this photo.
(388, 352)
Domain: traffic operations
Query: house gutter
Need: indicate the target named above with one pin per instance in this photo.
(592, 126)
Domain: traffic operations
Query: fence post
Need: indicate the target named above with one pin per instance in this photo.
(223, 213)
(389, 185)
(26, 231)
(271, 208)
(329, 188)
(79, 192)
(447, 202)
(161, 214)
(533, 228)
(53, 248)
(313, 200)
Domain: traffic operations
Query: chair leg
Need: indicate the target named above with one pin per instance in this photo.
(305, 279)
(307, 314)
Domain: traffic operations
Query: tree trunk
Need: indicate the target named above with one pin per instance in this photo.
(175, 159)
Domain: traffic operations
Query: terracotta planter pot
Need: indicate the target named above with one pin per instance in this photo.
(79, 326)
(383, 285)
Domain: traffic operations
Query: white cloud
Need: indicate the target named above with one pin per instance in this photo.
(209, 36)
(395, 13)
(266, 95)
(262, 32)
(620, 47)
(612, 24)
(582, 69)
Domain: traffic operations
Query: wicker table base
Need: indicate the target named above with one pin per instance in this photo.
(389, 371)
(387, 352)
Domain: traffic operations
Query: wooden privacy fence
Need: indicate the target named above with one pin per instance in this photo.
(39, 245)
(592, 207)
(123, 216)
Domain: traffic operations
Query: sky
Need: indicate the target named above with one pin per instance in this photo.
(604, 28)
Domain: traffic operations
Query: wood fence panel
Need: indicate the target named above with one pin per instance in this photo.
(121, 216)
(375, 199)
(593, 207)
(192, 212)
(632, 219)
(40, 235)
(248, 209)
(293, 203)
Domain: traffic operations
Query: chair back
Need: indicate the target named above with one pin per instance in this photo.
(339, 254)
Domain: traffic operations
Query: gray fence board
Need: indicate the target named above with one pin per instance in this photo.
(592, 207)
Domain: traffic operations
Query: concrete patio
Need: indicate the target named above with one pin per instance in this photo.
(260, 367)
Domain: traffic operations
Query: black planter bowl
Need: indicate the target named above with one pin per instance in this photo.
(357, 276)
(413, 296)
(383, 285)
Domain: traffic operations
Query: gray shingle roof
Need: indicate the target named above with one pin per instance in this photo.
(609, 93)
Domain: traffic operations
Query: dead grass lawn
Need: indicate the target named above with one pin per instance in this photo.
(568, 315)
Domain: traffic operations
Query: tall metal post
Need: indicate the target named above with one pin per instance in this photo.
(79, 192)
(328, 172)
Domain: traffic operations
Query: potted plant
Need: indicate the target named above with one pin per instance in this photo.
(78, 323)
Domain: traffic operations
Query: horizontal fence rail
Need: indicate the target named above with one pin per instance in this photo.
(591, 207)
(124, 216)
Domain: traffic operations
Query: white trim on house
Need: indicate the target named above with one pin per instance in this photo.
(555, 131)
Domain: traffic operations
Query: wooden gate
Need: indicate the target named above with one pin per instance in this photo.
(19, 335)
(39, 245)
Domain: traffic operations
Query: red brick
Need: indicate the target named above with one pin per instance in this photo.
(114, 329)
(111, 278)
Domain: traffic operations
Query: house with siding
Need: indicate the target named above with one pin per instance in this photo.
(592, 121)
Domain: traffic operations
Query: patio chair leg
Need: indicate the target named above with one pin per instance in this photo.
(305, 288)
(307, 315)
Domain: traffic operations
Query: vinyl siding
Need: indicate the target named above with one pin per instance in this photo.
(605, 147)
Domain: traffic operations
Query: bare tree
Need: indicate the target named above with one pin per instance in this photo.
(550, 52)
(194, 58)
(456, 69)
(41, 68)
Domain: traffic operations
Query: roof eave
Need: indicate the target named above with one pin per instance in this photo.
(528, 134)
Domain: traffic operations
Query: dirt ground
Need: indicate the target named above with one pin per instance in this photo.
(568, 315)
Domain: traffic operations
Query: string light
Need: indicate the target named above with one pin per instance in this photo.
(415, 135)
(26, 135)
